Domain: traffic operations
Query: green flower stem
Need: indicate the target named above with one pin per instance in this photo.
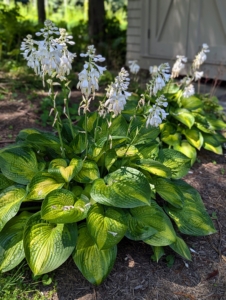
(102, 166)
(86, 131)
(66, 91)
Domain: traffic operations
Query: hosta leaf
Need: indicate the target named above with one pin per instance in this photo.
(18, 164)
(11, 242)
(110, 158)
(60, 206)
(216, 124)
(169, 191)
(150, 150)
(107, 225)
(164, 237)
(171, 88)
(88, 173)
(187, 149)
(212, 143)
(78, 144)
(181, 248)
(192, 219)
(158, 252)
(184, 116)
(10, 200)
(94, 264)
(60, 167)
(153, 167)
(176, 161)
(169, 134)
(191, 103)
(126, 151)
(47, 246)
(194, 137)
(42, 184)
(5, 182)
(125, 188)
(119, 126)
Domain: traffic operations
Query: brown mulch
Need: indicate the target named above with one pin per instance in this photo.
(135, 275)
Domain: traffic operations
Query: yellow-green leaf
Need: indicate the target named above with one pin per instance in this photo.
(194, 137)
(184, 116)
(88, 173)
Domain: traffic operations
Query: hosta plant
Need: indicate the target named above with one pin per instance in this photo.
(79, 192)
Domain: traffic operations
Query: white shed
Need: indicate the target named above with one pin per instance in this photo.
(158, 30)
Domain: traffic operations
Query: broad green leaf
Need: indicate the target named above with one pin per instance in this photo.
(158, 252)
(47, 246)
(191, 103)
(119, 126)
(181, 248)
(171, 88)
(176, 161)
(126, 151)
(42, 184)
(95, 153)
(169, 191)
(110, 158)
(221, 139)
(18, 164)
(88, 173)
(169, 134)
(166, 236)
(201, 123)
(145, 221)
(187, 149)
(11, 242)
(148, 150)
(211, 143)
(24, 133)
(153, 167)
(60, 206)
(216, 124)
(91, 118)
(78, 144)
(60, 167)
(125, 188)
(107, 225)
(184, 116)
(10, 200)
(93, 263)
(192, 219)
(5, 182)
(194, 137)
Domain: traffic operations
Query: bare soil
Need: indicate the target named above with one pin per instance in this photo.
(135, 275)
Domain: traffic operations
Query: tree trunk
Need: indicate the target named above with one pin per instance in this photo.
(41, 11)
(96, 13)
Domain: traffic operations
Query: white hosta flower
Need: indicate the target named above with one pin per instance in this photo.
(156, 113)
(198, 75)
(133, 66)
(189, 91)
(201, 56)
(178, 66)
(89, 77)
(160, 76)
(117, 94)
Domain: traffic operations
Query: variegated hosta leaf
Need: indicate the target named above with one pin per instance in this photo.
(192, 219)
(60, 167)
(176, 161)
(158, 252)
(165, 237)
(153, 167)
(107, 225)
(216, 124)
(211, 143)
(184, 116)
(60, 206)
(187, 149)
(95, 152)
(47, 246)
(110, 158)
(150, 150)
(42, 184)
(18, 164)
(5, 182)
(125, 188)
(93, 263)
(119, 126)
(127, 151)
(88, 173)
(169, 191)
(10, 200)
(11, 242)
(79, 143)
(194, 136)
(181, 248)
(191, 103)
(169, 134)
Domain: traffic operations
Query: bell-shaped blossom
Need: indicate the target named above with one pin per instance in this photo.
(156, 113)
(178, 66)
(160, 76)
(189, 91)
(133, 66)
(89, 77)
(198, 75)
(117, 94)
(201, 57)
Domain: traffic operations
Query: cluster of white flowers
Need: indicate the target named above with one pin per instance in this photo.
(156, 113)
(89, 77)
(117, 94)
(160, 76)
(50, 55)
(178, 66)
(201, 57)
(188, 91)
(133, 66)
